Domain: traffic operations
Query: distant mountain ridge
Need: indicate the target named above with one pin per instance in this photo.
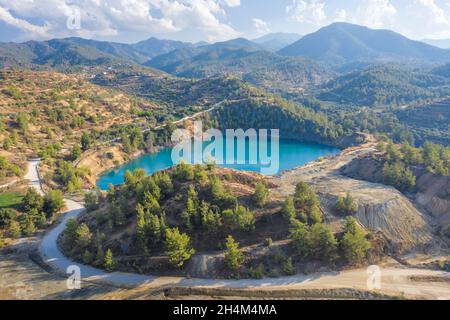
(440, 43)
(243, 59)
(276, 41)
(60, 53)
(343, 43)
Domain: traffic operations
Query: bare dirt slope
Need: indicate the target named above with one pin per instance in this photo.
(380, 208)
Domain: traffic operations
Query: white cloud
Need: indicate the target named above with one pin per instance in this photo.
(7, 17)
(232, 3)
(375, 13)
(425, 19)
(308, 11)
(261, 26)
(437, 13)
(340, 15)
(115, 17)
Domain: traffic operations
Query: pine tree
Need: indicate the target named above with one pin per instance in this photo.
(346, 205)
(307, 202)
(178, 247)
(87, 257)
(190, 214)
(323, 243)
(151, 204)
(261, 194)
(100, 255)
(288, 267)
(83, 236)
(141, 228)
(154, 229)
(211, 220)
(354, 243)
(70, 234)
(117, 214)
(28, 227)
(289, 209)
(32, 200)
(14, 229)
(234, 258)
(300, 235)
(85, 141)
(42, 220)
(108, 262)
(76, 152)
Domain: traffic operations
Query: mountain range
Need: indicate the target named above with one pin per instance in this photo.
(384, 85)
(337, 45)
(343, 43)
(243, 59)
(440, 43)
(277, 41)
(310, 61)
(69, 52)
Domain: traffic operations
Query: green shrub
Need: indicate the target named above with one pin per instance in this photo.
(288, 267)
(261, 194)
(258, 272)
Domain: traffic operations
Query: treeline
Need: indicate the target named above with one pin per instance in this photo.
(399, 160)
(386, 85)
(33, 213)
(292, 120)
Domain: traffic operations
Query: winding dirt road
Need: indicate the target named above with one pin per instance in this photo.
(394, 281)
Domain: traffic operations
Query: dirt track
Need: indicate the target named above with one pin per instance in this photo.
(396, 281)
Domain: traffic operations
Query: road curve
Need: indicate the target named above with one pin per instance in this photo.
(394, 281)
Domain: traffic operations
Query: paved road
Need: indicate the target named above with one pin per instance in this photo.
(394, 281)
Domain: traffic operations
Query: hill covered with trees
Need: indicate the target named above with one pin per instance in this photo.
(158, 223)
(247, 62)
(385, 85)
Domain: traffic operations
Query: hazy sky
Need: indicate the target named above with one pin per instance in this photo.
(213, 20)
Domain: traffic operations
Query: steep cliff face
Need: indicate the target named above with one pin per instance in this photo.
(399, 221)
(381, 209)
(432, 192)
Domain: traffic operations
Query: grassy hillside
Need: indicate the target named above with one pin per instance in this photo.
(57, 117)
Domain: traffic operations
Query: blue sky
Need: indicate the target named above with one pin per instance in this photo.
(213, 20)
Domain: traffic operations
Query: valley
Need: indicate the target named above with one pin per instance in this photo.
(87, 178)
(398, 280)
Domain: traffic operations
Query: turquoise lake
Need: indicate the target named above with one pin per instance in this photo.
(292, 154)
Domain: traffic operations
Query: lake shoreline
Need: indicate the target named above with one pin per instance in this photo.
(293, 150)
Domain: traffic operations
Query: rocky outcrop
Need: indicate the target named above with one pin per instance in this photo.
(432, 192)
(381, 209)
